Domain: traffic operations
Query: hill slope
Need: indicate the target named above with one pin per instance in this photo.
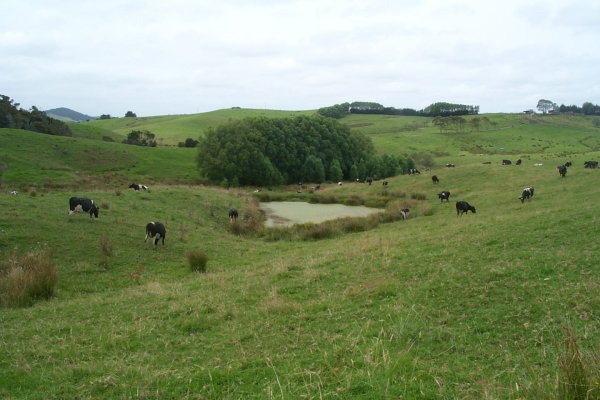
(68, 115)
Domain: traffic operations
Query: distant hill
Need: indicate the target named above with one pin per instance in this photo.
(68, 115)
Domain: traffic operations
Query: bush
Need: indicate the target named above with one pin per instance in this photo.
(26, 279)
(106, 251)
(197, 260)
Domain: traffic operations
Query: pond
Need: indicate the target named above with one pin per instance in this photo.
(287, 213)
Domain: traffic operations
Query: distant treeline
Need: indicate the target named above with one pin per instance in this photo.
(440, 109)
(11, 116)
(264, 151)
(587, 108)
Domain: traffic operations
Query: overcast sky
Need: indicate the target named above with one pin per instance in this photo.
(158, 57)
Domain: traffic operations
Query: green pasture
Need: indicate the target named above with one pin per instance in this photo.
(172, 129)
(435, 307)
(38, 160)
(438, 306)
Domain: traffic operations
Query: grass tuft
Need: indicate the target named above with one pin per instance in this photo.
(27, 278)
(197, 260)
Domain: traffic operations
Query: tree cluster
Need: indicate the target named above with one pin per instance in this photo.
(364, 107)
(130, 114)
(447, 109)
(456, 123)
(189, 142)
(11, 116)
(141, 138)
(587, 108)
(263, 151)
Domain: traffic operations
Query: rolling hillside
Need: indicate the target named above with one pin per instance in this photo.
(437, 306)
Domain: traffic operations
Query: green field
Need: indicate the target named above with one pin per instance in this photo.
(437, 306)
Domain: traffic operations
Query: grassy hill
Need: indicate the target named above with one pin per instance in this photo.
(433, 307)
(172, 129)
(44, 161)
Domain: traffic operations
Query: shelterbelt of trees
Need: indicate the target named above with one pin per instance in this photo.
(364, 107)
(265, 151)
(11, 116)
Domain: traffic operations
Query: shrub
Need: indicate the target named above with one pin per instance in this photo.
(318, 231)
(573, 380)
(106, 251)
(26, 279)
(353, 201)
(197, 260)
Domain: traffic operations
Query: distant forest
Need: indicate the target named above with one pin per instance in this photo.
(272, 151)
(440, 109)
(11, 116)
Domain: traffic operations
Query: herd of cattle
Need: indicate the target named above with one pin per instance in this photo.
(156, 231)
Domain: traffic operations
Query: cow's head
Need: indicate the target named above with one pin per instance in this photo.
(94, 210)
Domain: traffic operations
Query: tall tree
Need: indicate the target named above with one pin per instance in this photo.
(545, 106)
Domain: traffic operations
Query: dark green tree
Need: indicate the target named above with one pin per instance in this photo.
(313, 170)
(130, 114)
(335, 171)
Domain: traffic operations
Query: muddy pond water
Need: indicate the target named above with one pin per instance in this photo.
(287, 213)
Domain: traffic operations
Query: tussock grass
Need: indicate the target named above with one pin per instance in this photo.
(197, 260)
(578, 373)
(27, 278)
(106, 251)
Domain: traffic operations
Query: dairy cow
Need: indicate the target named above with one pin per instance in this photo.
(463, 207)
(527, 194)
(155, 231)
(445, 195)
(82, 204)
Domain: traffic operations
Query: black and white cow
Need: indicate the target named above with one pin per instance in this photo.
(562, 170)
(413, 171)
(506, 162)
(81, 204)
(590, 164)
(385, 183)
(450, 165)
(445, 195)
(369, 180)
(137, 187)
(155, 231)
(568, 164)
(233, 215)
(463, 207)
(435, 179)
(518, 162)
(404, 212)
(527, 194)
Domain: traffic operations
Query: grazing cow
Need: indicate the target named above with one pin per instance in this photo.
(435, 179)
(14, 192)
(340, 183)
(445, 195)
(527, 194)
(80, 204)
(450, 165)
(233, 215)
(369, 180)
(590, 164)
(562, 170)
(413, 171)
(404, 212)
(518, 162)
(463, 207)
(385, 183)
(506, 162)
(155, 231)
(568, 164)
(137, 187)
